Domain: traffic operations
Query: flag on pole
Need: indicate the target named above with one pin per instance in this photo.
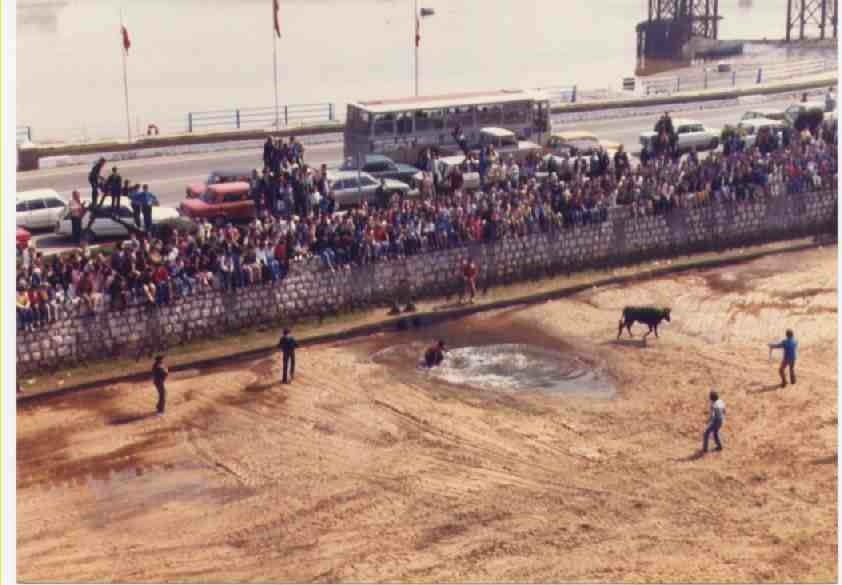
(275, 9)
(417, 31)
(127, 43)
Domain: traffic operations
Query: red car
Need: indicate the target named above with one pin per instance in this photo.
(223, 201)
(22, 237)
(216, 177)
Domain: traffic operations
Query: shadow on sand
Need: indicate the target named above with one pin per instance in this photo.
(639, 342)
(761, 389)
(129, 419)
(698, 454)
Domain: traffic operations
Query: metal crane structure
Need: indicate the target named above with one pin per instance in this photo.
(672, 23)
(811, 19)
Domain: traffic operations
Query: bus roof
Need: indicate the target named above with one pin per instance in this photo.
(453, 100)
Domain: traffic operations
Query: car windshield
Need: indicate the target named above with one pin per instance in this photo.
(508, 141)
(208, 197)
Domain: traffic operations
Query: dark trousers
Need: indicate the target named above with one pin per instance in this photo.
(136, 214)
(115, 200)
(289, 368)
(147, 217)
(713, 429)
(784, 365)
(94, 192)
(162, 396)
(76, 222)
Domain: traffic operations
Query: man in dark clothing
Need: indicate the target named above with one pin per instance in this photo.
(268, 152)
(159, 376)
(114, 186)
(434, 355)
(93, 179)
(287, 345)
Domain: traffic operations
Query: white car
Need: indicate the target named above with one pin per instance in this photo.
(765, 114)
(105, 227)
(691, 134)
(350, 188)
(795, 110)
(752, 127)
(469, 180)
(38, 209)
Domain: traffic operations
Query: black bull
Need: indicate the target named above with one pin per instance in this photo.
(650, 317)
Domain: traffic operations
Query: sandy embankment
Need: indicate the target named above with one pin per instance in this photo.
(368, 471)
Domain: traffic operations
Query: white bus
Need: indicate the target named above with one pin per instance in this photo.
(403, 128)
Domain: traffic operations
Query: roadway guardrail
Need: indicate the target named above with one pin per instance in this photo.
(282, 117)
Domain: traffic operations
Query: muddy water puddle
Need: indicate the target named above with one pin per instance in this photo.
(498, 354)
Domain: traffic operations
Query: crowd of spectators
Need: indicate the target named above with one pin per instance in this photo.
(513, 201)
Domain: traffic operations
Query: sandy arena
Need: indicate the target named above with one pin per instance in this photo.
(367, 469)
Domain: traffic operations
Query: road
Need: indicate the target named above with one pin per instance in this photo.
(168, 177)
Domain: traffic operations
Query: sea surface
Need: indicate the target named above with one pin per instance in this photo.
(196, 55)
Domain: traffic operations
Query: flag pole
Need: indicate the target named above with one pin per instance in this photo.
(125, 80)
(275, 75)
(417, 33)
(276, 32)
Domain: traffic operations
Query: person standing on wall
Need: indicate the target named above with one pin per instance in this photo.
(146, 208)
(790, 347)
(287, 345)
(77, 211)
(159, 377)
(114, 187)
(717, 418)
(93, 179)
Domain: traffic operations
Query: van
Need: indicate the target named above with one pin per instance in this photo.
(38, 209)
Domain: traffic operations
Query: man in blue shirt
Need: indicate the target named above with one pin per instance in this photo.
(790, 347)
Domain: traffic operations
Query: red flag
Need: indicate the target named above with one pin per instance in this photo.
(126, 42)
(275, 9)
(417, 31)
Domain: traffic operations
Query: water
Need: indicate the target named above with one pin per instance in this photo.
(509, 367)
(193, 55)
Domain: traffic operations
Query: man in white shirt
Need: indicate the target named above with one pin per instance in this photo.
(717, 417)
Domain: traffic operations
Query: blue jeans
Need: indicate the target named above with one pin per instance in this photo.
(713, 429)
(329, 256)
(162, 294)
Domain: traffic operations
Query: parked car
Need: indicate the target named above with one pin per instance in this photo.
(691, 134)
(506, 143)
(350, 188)
(750, 129)
(106, 227)
(470, 180)
(382, 167)
(217, 177)
(577, 143)
(221, 202)
(22, 238)
(765, 114)
(38, 209)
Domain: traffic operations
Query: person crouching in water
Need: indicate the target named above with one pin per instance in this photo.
(790, 347)
(434, 355)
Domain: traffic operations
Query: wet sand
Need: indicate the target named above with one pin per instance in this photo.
(370, 470)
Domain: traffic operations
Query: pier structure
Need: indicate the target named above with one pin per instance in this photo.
(806, 19)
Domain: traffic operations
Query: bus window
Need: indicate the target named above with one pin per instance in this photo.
(359, 121)
(384, 125)
(405, 123)
(422, 121)
(462, 116)
(515, 113)
(436, 119)
(489, 115)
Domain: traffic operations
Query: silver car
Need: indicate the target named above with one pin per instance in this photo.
(351, 188)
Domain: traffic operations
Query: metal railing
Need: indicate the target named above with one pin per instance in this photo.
(24, 134)
(737, 76)
(285, 116)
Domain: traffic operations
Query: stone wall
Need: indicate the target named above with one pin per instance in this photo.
(311, 290)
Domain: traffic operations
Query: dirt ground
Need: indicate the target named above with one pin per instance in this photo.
(368, 470)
